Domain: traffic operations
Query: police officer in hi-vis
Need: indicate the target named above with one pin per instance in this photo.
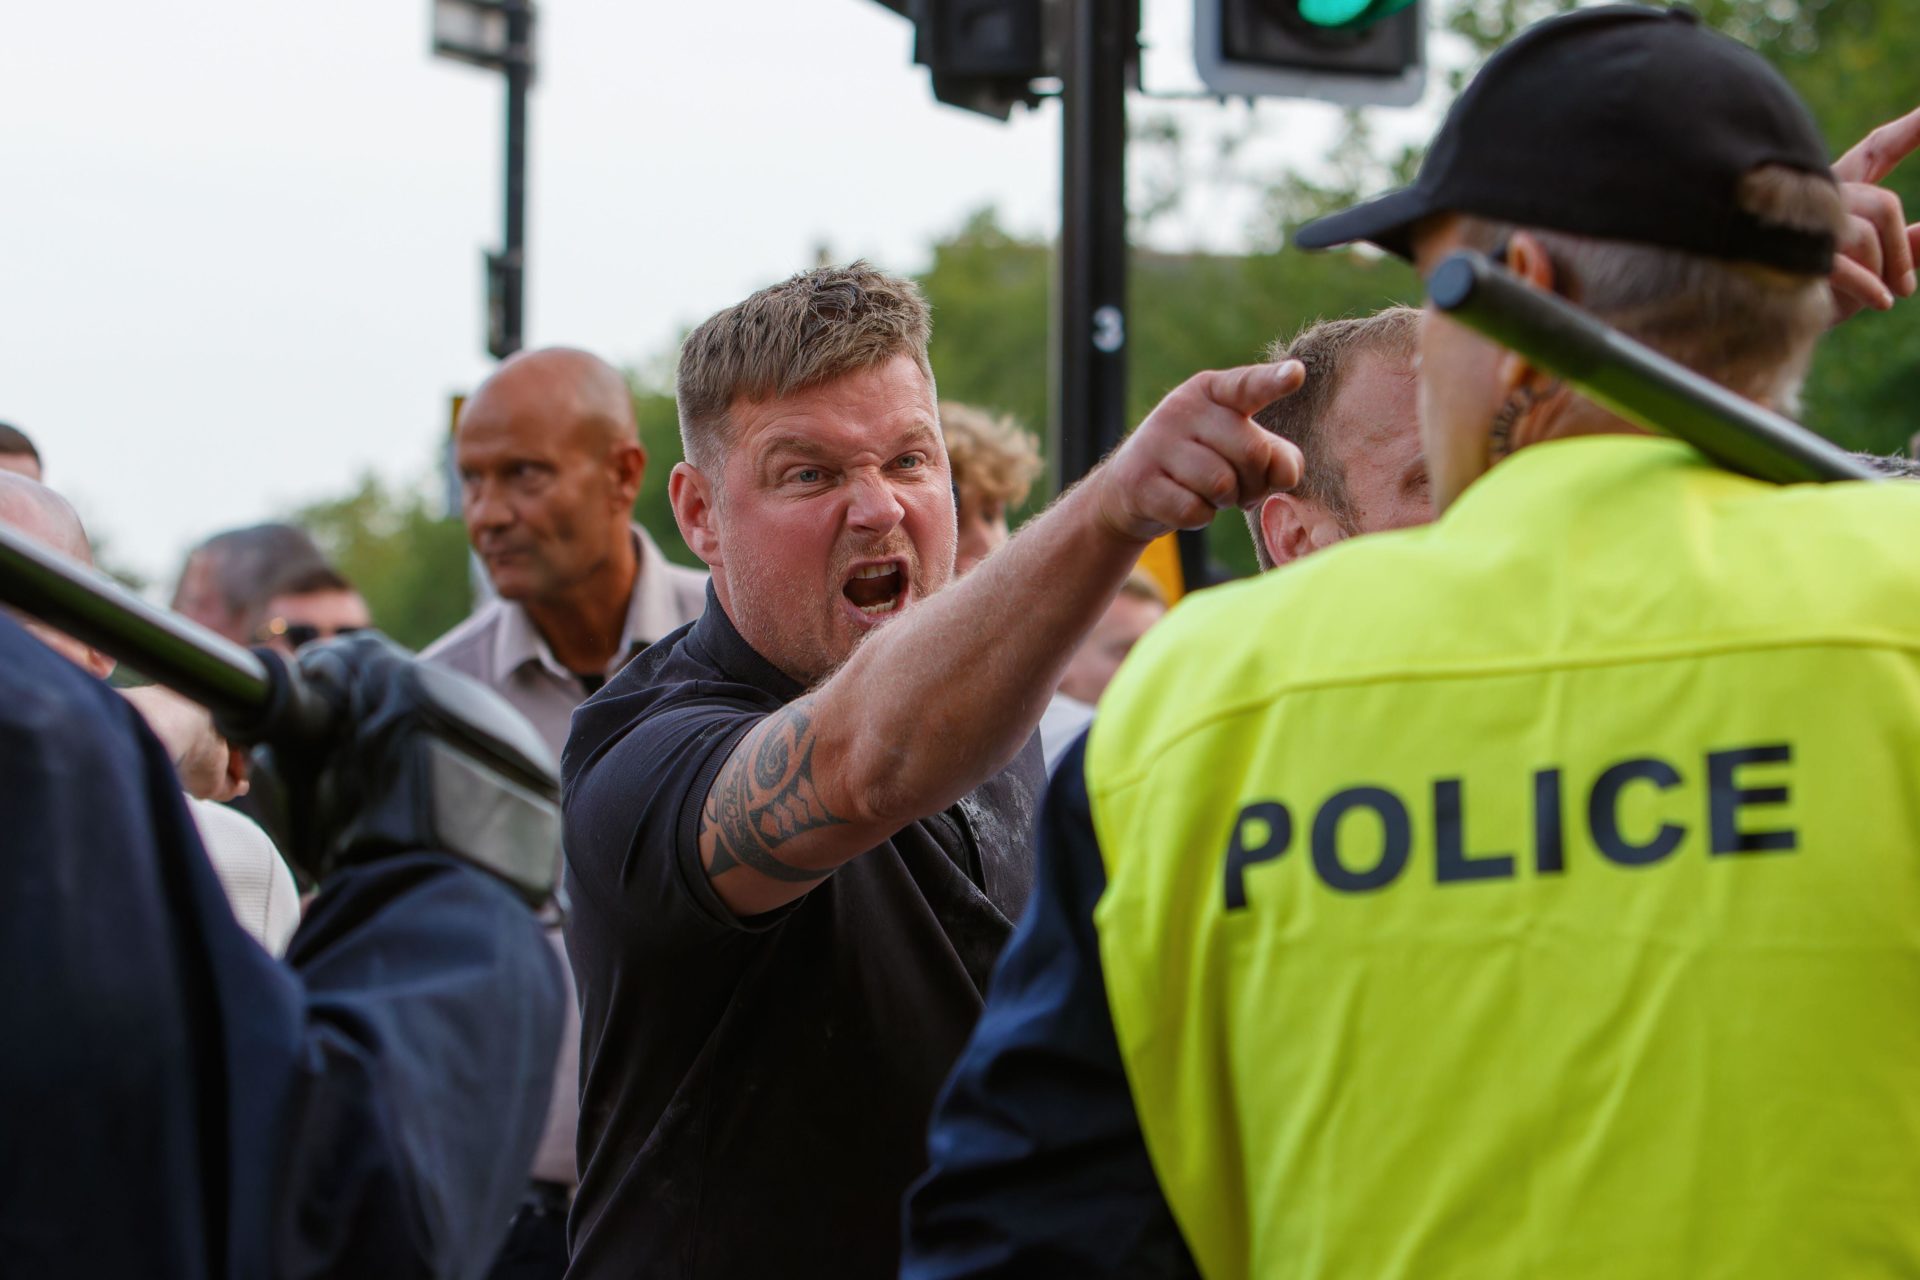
(1537, 892)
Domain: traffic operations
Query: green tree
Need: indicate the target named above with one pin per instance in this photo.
(408, 560)
(991, 294)
(659, 423)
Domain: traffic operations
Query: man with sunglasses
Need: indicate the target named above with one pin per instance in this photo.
(318, 604)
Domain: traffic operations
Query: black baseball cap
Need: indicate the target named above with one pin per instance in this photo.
(1624, 122)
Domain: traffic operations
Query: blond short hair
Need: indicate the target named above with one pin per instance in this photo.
(1328, 349)
(995, 458)
(1141, 585)
(805, 332)
(1748, 327)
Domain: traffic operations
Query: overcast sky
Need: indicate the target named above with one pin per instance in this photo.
(240, 240)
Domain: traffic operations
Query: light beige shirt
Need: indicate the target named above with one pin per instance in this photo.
(257, 881)
(500, 647)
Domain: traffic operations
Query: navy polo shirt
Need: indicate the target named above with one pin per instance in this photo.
(755, 1092)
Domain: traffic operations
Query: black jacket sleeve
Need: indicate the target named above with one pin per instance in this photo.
(1038, 1167)
(181, 1104)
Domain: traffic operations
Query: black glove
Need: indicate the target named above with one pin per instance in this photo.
(389, 755)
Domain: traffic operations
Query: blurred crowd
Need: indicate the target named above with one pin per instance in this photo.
(838, 983)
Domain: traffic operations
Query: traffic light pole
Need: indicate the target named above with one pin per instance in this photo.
(519, 73)
(1090, 324)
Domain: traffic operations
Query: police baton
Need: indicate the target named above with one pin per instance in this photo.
(1632, 380)
(257, 698)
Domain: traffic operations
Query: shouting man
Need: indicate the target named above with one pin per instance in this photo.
(797, 830)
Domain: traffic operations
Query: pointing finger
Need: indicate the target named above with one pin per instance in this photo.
(1285, 466)
(1252, 387)
(1877, 215)
(1854, 287)
(1876, 155)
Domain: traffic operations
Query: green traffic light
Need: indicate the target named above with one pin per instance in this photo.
(1349, 13)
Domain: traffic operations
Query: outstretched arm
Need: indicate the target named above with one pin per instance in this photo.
(932, 705)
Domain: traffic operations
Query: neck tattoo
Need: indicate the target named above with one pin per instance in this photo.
(1500, 434)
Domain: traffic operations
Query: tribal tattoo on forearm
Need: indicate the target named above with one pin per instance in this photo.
(764, 796)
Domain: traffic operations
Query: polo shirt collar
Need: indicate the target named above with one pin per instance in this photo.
(728, 650)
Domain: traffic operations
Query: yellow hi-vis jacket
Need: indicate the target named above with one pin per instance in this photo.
(1536, 893)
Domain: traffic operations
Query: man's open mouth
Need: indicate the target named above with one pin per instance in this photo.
(877, 589)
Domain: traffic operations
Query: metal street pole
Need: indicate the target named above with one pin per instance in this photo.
(1091, 301)
(519, 73)
(1090, 321)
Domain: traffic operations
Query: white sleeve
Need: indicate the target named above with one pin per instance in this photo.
(259, 886)
(1064, 720)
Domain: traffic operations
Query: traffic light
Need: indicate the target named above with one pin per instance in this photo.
(1352, 52)
(982, 55)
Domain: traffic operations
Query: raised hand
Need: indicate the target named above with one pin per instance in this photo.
(1875, 266)
(1200, 452)
(209, 767)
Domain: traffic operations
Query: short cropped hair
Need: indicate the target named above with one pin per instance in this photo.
(248, 565)
(993, 457)
(805, 332)
(1328, 348)
(309, 580)
(1895, 466)
(1748, 327)
(14, 440)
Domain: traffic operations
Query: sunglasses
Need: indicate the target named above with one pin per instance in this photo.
(299, 635)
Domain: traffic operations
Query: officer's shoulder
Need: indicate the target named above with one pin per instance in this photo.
(1272, 608)
(1231, 647)
(1894, 500)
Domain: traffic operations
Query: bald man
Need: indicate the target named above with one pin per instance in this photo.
(45, 517)
(258, 884)
(550, 462)
(17, 453)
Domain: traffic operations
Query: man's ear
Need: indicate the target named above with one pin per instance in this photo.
(1528, 259)
(628, 463)
(1292, 526)
(691, 495)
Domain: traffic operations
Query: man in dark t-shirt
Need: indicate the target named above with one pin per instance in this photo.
(797, 829)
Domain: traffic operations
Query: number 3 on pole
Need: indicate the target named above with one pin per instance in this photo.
(1109, 329)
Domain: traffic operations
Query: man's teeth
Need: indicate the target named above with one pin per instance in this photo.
(874, 610)
(875, 571)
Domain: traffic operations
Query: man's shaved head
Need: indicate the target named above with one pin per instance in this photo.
(563, 386)
(550, 463)
(17, 453)
(44, 516)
